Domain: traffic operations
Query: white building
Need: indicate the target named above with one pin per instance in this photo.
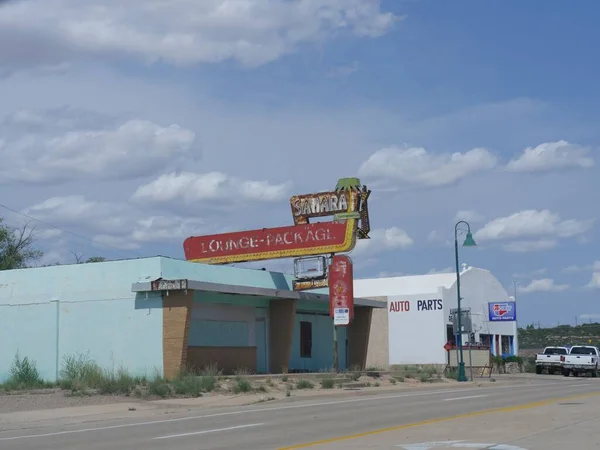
(418, 323)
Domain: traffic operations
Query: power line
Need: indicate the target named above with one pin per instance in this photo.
(85, 238)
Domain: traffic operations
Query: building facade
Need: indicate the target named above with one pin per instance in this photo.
(234, 318)
(417, 322)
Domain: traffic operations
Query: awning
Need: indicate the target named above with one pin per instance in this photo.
(162, 284)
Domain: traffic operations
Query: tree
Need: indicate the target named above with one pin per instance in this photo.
(95, 259)
(16, 247)
(91, 259)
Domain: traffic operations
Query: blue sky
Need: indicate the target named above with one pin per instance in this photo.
(127, 129)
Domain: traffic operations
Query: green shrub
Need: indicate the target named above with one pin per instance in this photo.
(242, 385)
(327, 383)
(304, 384)
(193, 386)
(24, 375)
(121, 382)
(159, 387)
(79, 372)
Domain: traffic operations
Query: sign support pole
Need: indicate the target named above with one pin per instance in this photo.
(335, 349)
(470, 360)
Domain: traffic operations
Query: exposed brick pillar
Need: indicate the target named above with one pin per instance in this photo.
(358, 337)
(282, 314)
(177, 310)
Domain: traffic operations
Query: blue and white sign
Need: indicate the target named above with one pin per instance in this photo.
(502, 311)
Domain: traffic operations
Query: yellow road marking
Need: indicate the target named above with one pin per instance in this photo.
(443, 419)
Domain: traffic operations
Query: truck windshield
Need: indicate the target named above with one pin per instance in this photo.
(582, 351)
(555, 351)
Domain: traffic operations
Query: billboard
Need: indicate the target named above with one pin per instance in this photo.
(502, 311)
(341, 290)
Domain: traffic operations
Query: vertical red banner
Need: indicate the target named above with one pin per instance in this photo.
(341, 290)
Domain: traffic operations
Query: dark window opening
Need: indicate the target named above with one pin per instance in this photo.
(555, 351)
(583, 351)
(305, 339)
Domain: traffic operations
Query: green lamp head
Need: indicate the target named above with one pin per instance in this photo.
(469, 241)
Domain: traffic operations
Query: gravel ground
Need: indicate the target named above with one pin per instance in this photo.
(273, 387)
(53, 399)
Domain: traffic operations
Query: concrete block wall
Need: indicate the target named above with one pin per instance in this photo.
(378, 353)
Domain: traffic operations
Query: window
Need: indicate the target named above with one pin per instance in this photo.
(305, 340)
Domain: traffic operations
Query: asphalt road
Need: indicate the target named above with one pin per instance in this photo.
(292, 422)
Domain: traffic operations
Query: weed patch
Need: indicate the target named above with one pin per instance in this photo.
(304, 384)
(24, 375)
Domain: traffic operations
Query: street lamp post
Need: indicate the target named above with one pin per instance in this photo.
(469, 242)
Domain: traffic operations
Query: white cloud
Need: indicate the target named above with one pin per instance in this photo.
(530, 246)
(531, 274)
(594, 267)
(187, 188)
(113, 224)
(46, 149)
(415, 167)
(533, 224)
(551, 156)
(468, 216)
(181, 32)
(542, 285)
(595, 281)
(382, 240)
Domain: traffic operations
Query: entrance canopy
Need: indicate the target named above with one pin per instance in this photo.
(149, 286)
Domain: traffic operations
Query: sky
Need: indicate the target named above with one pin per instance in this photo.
(126, 127)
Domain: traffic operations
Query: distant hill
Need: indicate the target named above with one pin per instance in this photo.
(562, 335)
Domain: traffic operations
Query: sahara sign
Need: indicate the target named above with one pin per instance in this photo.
(341, 290)
(346, 202)
(272, 243)
(321, 204)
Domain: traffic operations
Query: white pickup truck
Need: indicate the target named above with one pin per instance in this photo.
(581, 359)
(550, 360)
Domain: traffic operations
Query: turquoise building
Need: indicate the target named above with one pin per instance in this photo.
(160, 315)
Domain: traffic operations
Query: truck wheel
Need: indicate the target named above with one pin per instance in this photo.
(575, 374)
(565, 373)
(538, 369)
(595, 372)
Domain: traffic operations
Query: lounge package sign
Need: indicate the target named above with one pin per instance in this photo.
(502, 311)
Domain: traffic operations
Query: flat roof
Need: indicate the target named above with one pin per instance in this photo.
(205, 286)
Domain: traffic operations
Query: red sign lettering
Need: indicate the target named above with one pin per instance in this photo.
(271, 243)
